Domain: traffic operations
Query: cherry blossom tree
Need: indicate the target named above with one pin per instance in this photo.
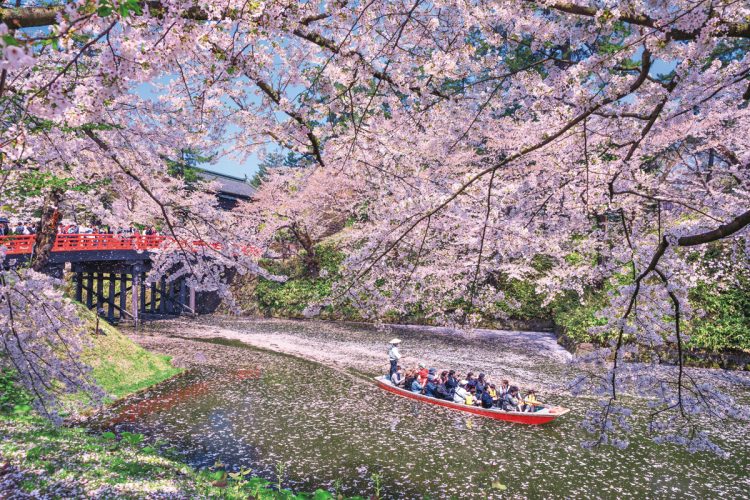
(303, 205)
(480, 135)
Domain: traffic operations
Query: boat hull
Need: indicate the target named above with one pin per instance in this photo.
(507, 416)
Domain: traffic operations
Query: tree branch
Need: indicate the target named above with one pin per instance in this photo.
(29, 17)
(732, 30)
(720, 232)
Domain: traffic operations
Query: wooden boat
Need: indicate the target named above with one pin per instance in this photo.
(536, 418)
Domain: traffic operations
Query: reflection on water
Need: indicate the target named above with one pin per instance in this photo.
(325, 425)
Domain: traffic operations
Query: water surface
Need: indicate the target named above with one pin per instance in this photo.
(255, 409)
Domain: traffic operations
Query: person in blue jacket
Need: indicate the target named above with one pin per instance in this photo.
(415, 385)
(430, 387)
(486, 399)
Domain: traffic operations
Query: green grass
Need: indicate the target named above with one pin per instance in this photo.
(62, 462)
(120, 366)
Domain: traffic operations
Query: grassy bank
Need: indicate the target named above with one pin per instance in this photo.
(120, 366)
(40, 459)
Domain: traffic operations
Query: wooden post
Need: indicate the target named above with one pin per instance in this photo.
(192, 300)
(79, 286)
(111, 298)
(90, 290)
(153, 298)
(136, 287)
(182, 295)
(123, 294)
(143, 293)
(163, 296)
(99, 290)
(172, 297)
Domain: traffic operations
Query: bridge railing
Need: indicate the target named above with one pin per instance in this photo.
(23, 244)
(17, 244)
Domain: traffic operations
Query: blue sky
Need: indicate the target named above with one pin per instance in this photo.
(231, 167)
(224, 165)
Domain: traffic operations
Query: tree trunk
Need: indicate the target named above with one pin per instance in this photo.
(312, 264)
(46, 230)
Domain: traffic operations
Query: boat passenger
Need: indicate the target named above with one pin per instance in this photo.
(480, 384)
(504, 386)
(442, 391)
(394, 355)
(511, 401)
(471, 380)
(398, 377)
(430, 387)
(493, 393)
(461, 393)
(409, 377)
(422, 374)
(416, 386)
(452, 382)
(486, 399)
(530, 403)
(470, 398)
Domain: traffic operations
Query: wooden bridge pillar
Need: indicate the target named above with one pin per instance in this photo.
(79, 286)
(172, 297)
(143, 294)
(111, 298)
(134, 310)
(153, 298)
(123, 294)
(183, 294)
(162, 296)
(89, 290)
(99, 290)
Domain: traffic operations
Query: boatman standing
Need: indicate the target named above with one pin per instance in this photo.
(394, 356)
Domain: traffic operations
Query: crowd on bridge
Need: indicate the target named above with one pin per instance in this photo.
(27, 228)
(6, 228)
(121, 231)
(449, 385)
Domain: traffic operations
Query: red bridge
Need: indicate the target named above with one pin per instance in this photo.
(23, 244)
(110, 271)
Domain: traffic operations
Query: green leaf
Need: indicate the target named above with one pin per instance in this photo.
(131, 438)
(21, 409)
(499, 486)
(109, 435)
(10, 40)
(104, 11)
(35, 452)
(218, 475)
(258, 482)
(322, 495)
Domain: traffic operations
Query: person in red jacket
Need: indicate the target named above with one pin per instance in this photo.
(422, 374)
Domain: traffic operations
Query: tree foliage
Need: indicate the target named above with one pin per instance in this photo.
(477, 136)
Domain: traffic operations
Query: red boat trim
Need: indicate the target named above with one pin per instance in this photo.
(508, 416)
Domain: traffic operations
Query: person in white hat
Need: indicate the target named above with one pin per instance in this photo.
(394, 356)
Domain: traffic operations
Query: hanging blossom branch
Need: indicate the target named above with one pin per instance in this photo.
(42, 340)
(679, 429)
